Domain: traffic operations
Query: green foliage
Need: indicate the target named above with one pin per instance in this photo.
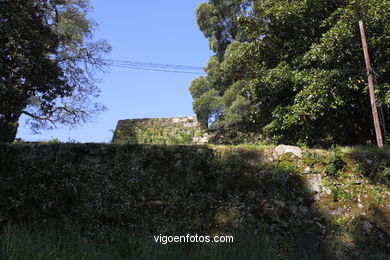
(294, 71)
(54, 140)
(311, 158)
(216, 21)
(378, 195)
(25, 68)
(211, 104)
(334, 164)
(342, 195)
(228, 137)
(47, 61)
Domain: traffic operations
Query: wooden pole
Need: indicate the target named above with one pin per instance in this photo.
(371, 87)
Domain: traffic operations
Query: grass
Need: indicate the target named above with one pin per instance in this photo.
(23, 243)
(248, 146)
(254, 146)
(26, 244)
(366, 149)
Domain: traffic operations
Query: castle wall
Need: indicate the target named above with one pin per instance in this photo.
(175, 130)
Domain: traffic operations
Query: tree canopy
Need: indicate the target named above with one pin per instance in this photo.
(47, 63)
(294, 70)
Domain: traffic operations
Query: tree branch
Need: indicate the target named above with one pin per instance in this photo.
(50, 114)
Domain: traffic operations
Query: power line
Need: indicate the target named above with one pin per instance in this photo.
(156, 69)
(197, 70)
(153, 65)
(148, 66)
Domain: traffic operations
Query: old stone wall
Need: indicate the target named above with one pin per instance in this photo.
(337, 198)
(175, 130)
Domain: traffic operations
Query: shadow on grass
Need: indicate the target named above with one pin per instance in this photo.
(373, 163)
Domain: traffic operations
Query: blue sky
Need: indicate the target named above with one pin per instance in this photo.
(145, 31)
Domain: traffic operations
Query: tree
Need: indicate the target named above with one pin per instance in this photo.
(47, 64)
(217, 20)
(302, 67)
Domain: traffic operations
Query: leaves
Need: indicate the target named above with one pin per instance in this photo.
(47, 63)
(302, 68)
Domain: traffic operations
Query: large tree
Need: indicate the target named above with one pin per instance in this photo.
(47, 64)
(217, 102)
(300, 66)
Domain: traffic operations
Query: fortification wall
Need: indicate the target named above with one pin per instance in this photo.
(175, 130)
(197, 190)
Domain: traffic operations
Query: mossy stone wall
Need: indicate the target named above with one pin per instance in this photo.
(315, 199)
(175, 130)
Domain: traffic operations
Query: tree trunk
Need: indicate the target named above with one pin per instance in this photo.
(8, 127)
(203, 122)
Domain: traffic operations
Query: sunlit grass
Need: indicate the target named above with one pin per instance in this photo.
(367, 149)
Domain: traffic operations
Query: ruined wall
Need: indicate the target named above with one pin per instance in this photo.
(175, 130)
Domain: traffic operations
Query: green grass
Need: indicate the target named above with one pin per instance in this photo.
(254, 146)
(366, 149)
(25, 244)
(21, 243)
(248, 146)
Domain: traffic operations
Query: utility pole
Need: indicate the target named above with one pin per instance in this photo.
(378, 132)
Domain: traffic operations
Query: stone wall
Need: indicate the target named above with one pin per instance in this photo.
(175, 130)
(189, 189)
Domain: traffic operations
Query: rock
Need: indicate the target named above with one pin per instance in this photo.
(322, 227)
(314, 183)
(360, 205)
(268, 208)
(317, 197)
(369, 161)
(280, 203)
(283, 149)
(201, 151)
(269, 211)
(157, 203)
(307, 170)
(191, 124)
(200, 139)
(178, 119)
(326, 190)
(178, 165)
(294, 210)
(338, 211)
(367, 226)
(303, 209)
